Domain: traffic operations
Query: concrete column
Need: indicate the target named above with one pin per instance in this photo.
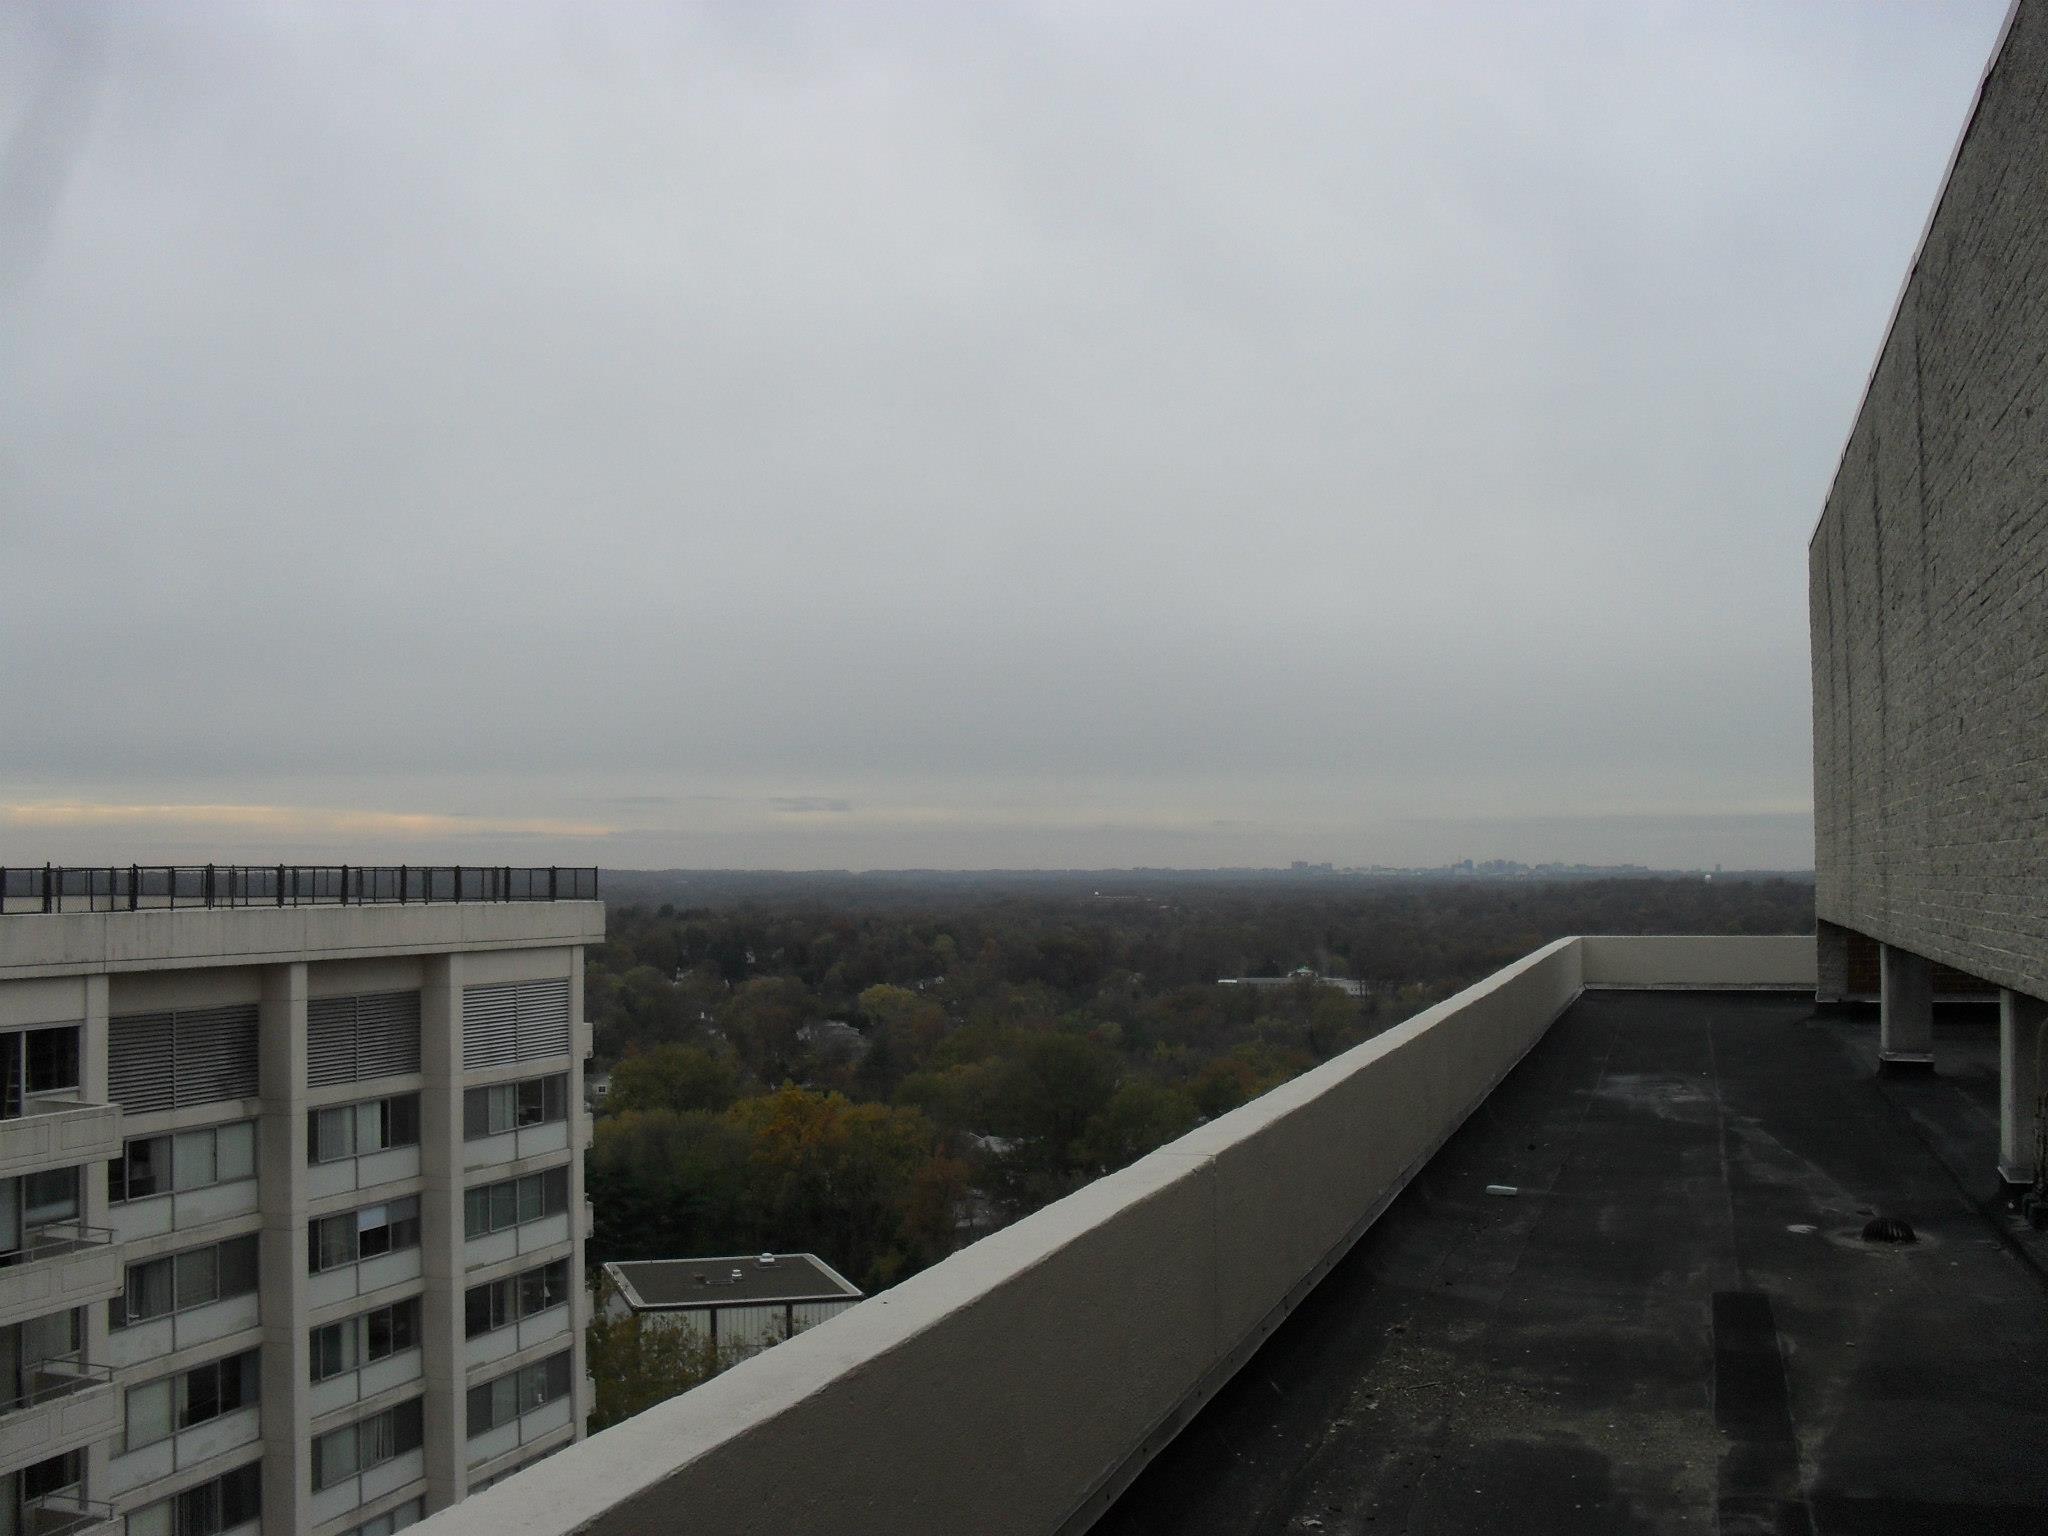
(445, 1357)
(1831, 958)
(581, 1386)
(2022, 1035)
(1906, 1018)
(281, 1251)
(93, 1089)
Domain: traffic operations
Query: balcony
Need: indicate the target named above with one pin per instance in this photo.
(68, 1264)
(66, 1406)
(65, 1513)
(1666, 1320)
(54, 1133)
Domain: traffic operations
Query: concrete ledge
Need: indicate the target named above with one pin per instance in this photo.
(1677, 962)
(83, 943)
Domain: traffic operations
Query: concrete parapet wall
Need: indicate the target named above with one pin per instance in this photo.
(80, 943)
(1013, 1389)
(1780, 962)
(1014, 1386)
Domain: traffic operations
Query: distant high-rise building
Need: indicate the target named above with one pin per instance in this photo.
(291, 1193)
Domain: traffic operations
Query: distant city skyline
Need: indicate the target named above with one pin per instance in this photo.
(1007, 436)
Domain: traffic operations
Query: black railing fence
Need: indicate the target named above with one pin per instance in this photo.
(150, 887)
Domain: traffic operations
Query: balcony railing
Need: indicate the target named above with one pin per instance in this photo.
(64, 1512)
(52, 1379)
(56, 1240)
(153, 887)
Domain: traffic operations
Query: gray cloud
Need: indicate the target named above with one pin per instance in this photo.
(1187, 433)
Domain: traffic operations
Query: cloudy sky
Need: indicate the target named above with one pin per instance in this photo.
(811, 434)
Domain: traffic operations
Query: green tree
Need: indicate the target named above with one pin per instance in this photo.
(674, 1077)
(636, 1361)
(1138, 1117)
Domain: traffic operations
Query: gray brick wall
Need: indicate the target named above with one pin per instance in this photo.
(1928, 576)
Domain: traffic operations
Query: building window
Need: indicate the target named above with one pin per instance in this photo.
(506, 1398)
(178, 1282)
(407, 1514)
(37, 1061)
(156, 1165)
(365, 1339)
(500, 1303)
(158, 1409)
(49, 1197)
(510, 1106)
(342, 1453)
(490, 1208)
(353, 1236)
(356, 1130)
(232, 1499)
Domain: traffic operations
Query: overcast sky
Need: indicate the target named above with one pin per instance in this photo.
(871, 435)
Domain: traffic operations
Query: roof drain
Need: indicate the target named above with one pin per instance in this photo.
(1888, 1229)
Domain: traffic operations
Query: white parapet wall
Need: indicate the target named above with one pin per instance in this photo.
(1017, 1386)
(1668, 963)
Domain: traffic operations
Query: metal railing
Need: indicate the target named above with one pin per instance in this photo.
(63, 1511)
(154, 887)
(52, 1379)
(54, 1240)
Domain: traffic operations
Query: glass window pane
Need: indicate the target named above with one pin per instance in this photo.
(153, 1521)
(149, 1413)
(235, 1152)
(52, 1059)
(479, 1415)
(238, 1265)
(370, 1127)
(405, 1120)
(379, 1334)
(476, 1113)
(50, 1196)
(148, 1167)
(199, 1511)
(529, 1197)
(504, 1205)
(476, 1212)
(238, 1381)
(333, 1134)
(198, 1277)
(192, 1160)
(150, 1291)
(334, 1457)
(241, 1495)
(201, 1396)
(327, 1349)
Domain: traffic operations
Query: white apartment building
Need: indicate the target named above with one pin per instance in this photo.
(291, 1193)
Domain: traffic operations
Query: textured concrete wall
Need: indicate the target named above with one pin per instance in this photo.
(1928, 575)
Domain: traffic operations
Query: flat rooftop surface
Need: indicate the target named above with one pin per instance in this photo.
(711, 1282)
(1675, 1325)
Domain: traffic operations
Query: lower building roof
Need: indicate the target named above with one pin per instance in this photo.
(732, 1281)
